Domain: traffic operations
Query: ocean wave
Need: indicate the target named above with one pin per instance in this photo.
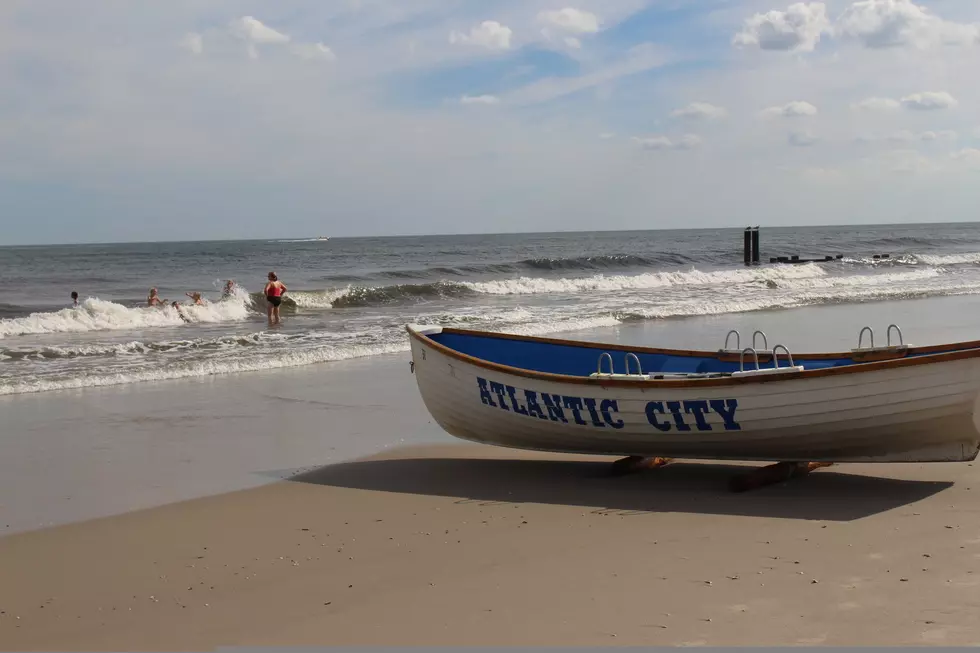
(540, 264)
(188, 369)
(360, 296)
(95, 314)
(949, 259)
(648, 281)
(278, 358)
(936, 260)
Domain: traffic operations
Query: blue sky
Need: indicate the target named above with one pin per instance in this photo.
(181, 120)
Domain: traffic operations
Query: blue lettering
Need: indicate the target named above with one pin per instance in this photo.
(533, 407)
(485, 393)
(698, 409)
(653, 408)
(610, 405)
(499, 390)
(675, 411)
(553, 404)
(519, 409)
(596, 420)
(726, 408)
(576, 405)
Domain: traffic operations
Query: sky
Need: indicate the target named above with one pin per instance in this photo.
(183, 120)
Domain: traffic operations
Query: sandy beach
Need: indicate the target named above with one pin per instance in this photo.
(469, 545)
(321, 506)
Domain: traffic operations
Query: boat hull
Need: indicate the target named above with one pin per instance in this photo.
(917, 413)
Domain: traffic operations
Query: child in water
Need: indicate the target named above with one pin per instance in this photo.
(176, 306)
(196, 296)
(74, 299)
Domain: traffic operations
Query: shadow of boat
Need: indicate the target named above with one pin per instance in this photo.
(702, 488)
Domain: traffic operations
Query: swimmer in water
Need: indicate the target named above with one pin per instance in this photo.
(154, 298)
(176, 306)
(229, 288)
(196, 296)
(74, 299)
(274, 290)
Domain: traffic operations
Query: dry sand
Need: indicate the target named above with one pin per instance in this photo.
(468, 545)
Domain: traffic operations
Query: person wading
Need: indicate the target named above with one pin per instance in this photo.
(274, 290)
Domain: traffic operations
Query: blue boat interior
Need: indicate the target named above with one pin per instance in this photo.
(575, 360)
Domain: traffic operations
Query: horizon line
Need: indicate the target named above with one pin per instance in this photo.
(503, 233)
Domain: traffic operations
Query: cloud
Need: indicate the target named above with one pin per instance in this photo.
(639, 59)
(907, 161)
(894, 23)
(799, 28)
(906, 136)
(700, 111)
(313, 51)
(479, 99)
(874, 24)
(802, 139)
(570, 20)
(929, 101)
(489, 34)
(684, 142)
(607, 135)
(942, 135)
(877, 104)
(969, 156)
(193, 42)
(795, 109)
(255, 31)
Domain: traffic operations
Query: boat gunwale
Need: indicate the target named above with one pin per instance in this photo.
(930, 354)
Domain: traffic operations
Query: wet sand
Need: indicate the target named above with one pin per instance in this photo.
(322, 506)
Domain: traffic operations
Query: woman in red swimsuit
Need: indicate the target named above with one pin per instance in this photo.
(274, 291)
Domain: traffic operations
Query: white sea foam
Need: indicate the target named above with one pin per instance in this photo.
(949, 259)
(863, 280)
(101, 315)
(229, 365)
(648, 281)
(317, 298)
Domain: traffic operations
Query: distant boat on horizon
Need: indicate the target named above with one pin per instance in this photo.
(323, 238)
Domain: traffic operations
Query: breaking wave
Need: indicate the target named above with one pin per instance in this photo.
(95, 314)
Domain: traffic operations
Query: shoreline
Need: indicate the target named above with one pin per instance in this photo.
(460, 545)
(810, 329)
(82, 453)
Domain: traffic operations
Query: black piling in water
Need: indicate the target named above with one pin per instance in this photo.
(755, 246)
(748, 246)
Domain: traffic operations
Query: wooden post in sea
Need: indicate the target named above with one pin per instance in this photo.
(748, 246)
(755, 246)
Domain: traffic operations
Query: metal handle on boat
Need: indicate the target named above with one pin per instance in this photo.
(605, 354)
(765, 340)
(861, 336)
(775, 358)
(738, 339)
(741, 358)
(639, 370)
(901, 340)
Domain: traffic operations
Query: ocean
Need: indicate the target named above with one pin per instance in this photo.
(351, 297)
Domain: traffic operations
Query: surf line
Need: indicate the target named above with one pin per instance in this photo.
(586, 411)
